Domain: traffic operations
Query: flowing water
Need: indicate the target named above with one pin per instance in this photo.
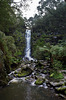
(28, 46)
(24, 91)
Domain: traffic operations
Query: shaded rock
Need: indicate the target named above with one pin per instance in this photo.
(42, 62)
(56, 84)
(61, 95)
(25, 71)
(63, 88)
(39, 81)
(44, 72)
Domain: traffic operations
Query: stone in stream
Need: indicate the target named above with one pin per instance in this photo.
(25, 71)
(61, 89)
(56, 84)
(40, 80)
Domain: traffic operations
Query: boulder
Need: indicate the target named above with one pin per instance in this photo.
(39, 81)
(61, 89)
(56, 84)
(25, 71)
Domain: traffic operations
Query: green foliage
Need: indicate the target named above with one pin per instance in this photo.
(57, 64)
(57, 75)
(54, 53)
(42, 52)
(20, 24)
(53, 21)
(58, 51)
(20, 42)
(38, 54)
(8, 48)
(7, 15)
(9, 41)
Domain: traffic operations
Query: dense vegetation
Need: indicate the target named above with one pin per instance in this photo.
(49, 34)
(12, 38)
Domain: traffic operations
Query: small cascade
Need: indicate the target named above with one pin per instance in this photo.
(28, 46)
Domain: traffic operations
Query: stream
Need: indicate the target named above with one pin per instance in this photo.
(25, 91)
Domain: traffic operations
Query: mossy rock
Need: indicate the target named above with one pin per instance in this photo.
(39, 81)
(63, 88)
(24, 72)
(65, 92)
(56, 84)
(45, 71)
(39, 65)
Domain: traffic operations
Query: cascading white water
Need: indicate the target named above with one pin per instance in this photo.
(28, 49)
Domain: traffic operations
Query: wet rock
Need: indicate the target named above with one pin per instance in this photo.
(42, 62)
(61, 95)
(39, 81)
(25, 71)
(45, 85)
(47, 81)
(61, 91)
(63, 88)
(29, 79)
(44, 71)
(56, 84)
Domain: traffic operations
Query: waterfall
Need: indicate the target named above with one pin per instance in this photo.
(28, 46)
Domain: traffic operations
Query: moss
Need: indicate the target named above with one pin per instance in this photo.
(65, 92)
(57, 75)
(51, 75)
(15, 72)
(24, 73)
(45, 71)
(62, 90)
(39, 81)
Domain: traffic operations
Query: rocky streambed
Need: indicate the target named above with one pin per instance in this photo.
(37, 73)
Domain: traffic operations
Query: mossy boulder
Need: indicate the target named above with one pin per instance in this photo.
(56, 84)
(61, 89)
(24, 72)
(39, 81)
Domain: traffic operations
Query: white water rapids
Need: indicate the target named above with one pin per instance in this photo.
(28, 46)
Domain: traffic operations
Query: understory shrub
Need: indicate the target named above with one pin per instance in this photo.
(56, 54)
(57, 64)
(8, 48)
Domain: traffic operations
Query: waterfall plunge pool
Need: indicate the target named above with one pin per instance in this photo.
(24, 91)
